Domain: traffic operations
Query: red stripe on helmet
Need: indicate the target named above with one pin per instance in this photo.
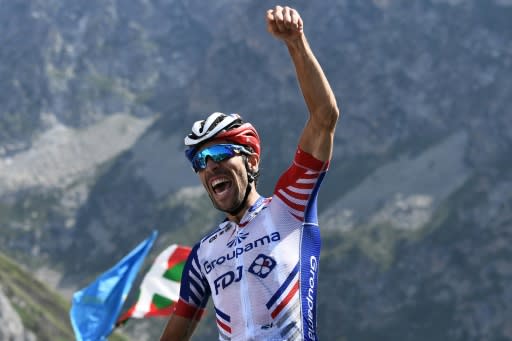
(245, 135)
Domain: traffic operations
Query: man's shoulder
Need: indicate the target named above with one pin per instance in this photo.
(212, 235)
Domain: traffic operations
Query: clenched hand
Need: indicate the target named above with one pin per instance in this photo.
(284, 23)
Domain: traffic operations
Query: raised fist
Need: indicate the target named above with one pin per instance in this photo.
(284, 23)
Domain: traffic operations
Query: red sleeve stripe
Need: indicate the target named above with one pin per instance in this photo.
(289, 203)
(299, 188)
(299, 214)
(308, 161)
(290, 209)
(319, 167)
(298, 199)
(312, 173)
(296, 195)
(183, 309)
(302, 187)
(308, 181)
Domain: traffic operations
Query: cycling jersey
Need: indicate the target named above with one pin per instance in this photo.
(262, 273)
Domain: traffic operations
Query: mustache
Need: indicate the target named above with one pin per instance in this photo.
(217, 173)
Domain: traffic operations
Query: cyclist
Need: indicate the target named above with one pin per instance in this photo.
(260, 265)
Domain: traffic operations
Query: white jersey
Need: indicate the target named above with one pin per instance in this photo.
(262, 273)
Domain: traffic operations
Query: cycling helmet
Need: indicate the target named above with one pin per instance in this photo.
(221, 126)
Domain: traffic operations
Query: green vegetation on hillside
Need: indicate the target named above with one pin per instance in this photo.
(41, 310)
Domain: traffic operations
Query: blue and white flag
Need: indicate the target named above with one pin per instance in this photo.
(94, 309)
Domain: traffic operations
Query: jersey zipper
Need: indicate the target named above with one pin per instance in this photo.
(245, 299)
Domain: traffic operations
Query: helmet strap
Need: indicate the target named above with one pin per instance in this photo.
(250, 179)
(239, 208)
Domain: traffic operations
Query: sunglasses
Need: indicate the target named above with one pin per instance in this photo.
(217, 153)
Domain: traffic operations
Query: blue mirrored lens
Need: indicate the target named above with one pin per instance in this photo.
(217, 153)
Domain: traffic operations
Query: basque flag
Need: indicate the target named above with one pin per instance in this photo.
(160, 288)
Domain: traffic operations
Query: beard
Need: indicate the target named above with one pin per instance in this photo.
(241, 189)
(235, 204)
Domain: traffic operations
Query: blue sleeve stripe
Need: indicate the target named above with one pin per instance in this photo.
(191, 288)
(310, 214)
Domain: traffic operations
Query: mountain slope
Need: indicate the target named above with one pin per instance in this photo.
(42, 312)
(30, 310)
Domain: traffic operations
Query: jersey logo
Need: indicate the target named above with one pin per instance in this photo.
(227, 279)
(238, 239)
(262, 266)
(238, 251)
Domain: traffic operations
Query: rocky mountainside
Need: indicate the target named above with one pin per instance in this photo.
(416, 210)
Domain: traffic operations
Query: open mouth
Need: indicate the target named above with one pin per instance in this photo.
(220, 185)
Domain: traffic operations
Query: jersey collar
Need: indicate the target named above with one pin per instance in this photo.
(253, 211)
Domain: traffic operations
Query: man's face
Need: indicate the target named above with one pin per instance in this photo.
(225, 181)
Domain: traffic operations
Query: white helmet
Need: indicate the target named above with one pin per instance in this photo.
(205, 129)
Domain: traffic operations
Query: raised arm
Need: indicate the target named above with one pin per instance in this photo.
(317, 137)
